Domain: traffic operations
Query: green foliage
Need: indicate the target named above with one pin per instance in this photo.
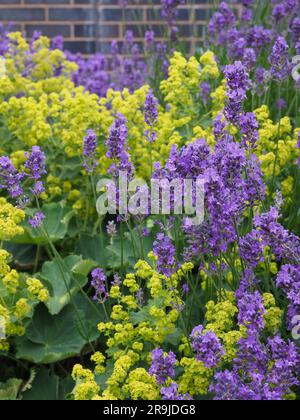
(10, 389)
(50, 339)
(64, 279)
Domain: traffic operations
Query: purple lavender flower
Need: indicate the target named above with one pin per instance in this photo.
(38, 189)
(37, 220)
(151, 116)
(205, 90)
(279, 60)
(288, 280)
(286, 363)
(145, 232)
(207, 346)
(36, 166)
(259, 38)
(89, 151)
(260, 371)
(169, 13)
(227, 191)
(117, 138)
(260, 75)
(249, 58)
(295, 28)
(150, 110)
(237, 80)
(279, 12)
(162, 367)
(165, 251)
(126, 68)
(219, 24)
(57, 43)
(284, 9)
(185, 288)
(93, 73)
(129, 37)
(10, 179)
(226, 386)
(111, 229)
(238, 83)
(36, 163)
(4, 39)
(247, 3)
(117, 145)
(251, 311)
(99, 284)
(117, 280)
(284, 245)
(247, 16)
(235, 41)
(188, 162)
(123, 3)
(280, 104)
(247, 284)
(171, 393)
(249, 128)
(114, 48)
(149, 40)
(251, 248)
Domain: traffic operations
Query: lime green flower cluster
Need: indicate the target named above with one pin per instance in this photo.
(10, 219)
(277, 149)
(18, 294)
(176, 125)
(181, 89)
(134, 330)
(53, 113)
(42, 77)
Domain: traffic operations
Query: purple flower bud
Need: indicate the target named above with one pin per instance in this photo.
(150, 111)
(164, 249)
(171, 393)
(207, 346)
(36, 161)
(162, 367)
(99, 284)
(10, 179)
(89, 151)
(37, 220)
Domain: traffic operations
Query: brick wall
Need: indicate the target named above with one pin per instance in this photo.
(90, 25)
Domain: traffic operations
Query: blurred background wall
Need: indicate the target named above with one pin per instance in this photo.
(91, 25)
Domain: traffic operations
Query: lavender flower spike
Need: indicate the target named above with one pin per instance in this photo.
(151, 116)
(162, 367)
(207, 346)
(99, 284)
(36, 161)
(117, 138)
(10, 179)
(89, 151)
(37, 220)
